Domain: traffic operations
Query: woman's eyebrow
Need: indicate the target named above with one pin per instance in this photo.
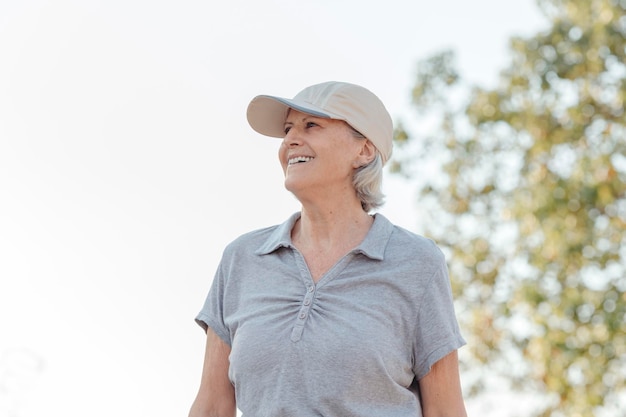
(304, 119)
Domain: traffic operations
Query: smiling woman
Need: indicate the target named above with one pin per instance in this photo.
(366, 175)
(122, 174)
(320, 156)
(335, 312)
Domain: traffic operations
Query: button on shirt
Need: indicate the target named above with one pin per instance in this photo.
(350, 344)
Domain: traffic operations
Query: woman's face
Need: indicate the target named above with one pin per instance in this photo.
(320, 155)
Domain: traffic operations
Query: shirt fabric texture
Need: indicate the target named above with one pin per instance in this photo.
(349, 345)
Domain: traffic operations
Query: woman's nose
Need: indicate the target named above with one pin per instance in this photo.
(292, 138)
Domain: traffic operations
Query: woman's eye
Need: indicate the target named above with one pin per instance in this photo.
(311, 124)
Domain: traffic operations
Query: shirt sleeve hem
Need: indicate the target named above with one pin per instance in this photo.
(206, 322)
(424, 368)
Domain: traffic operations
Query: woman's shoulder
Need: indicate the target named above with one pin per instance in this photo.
(406, 242)
(405, 237)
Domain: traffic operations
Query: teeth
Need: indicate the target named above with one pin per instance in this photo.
(298, 159)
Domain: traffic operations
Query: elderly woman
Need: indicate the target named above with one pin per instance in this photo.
(336, 312)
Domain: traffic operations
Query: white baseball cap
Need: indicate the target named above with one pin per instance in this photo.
(355, 105)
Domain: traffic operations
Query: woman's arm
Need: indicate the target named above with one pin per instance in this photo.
(216, 397)
(440, 389)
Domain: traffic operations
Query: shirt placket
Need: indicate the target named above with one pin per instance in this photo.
(303, 314)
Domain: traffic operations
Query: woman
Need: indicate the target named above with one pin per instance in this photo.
(335, 312)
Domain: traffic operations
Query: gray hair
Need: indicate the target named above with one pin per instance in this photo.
(368, 180)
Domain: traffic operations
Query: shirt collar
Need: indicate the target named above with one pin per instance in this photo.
(373, 246)
(280, 237)
(375, 242)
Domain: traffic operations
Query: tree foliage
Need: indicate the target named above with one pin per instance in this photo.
(530, 202)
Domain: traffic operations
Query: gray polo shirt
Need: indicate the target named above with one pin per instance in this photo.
(348, 346)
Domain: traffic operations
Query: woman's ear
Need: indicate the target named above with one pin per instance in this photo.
(366, 155)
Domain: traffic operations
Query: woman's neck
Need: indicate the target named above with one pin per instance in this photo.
(333, 227)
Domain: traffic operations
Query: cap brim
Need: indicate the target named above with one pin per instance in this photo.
(267, 114)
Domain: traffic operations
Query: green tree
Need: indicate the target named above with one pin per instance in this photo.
(524, 185)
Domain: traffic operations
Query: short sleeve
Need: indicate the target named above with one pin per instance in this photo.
(437, 332)
(212, 313)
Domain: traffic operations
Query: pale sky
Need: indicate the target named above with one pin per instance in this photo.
(126, 165)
